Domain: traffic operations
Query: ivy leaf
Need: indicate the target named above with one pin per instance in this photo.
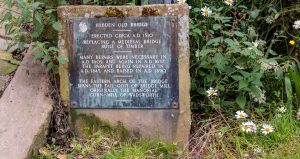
(57, 26)
(241, 101)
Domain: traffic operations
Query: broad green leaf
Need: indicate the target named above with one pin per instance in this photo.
(216, 26)
(85, 1)
(8, 28)
(26, 15)
(243, 84)
(255, 90)
(62, 59)
(241, 101)
(46, 59)
(237, 77)
(9, 3)
(239, 34)
(38, 17)
(254, 14)
(38, 26)
(7, 16)
(50, 11)
(36, 5)
(53, 49)
(38, 55)
(57, 26)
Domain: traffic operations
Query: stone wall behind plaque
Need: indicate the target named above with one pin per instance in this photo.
(172, 125)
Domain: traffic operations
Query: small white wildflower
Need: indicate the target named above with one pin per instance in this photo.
(229, 2)
(281, 110)
(255, 43)
(297, 24)
(261, 98)
(269, 19)
(266, 129)
(241, 114)
(257, 151)
(298, 115)
(246, 155)
(206, 11)
(211, 92)
(268, 65)
(249, 126)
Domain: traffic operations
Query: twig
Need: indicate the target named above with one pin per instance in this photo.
(5, 37)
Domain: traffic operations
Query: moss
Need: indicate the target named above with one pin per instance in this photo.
(148, 11)
(114, 12)
(86, 125)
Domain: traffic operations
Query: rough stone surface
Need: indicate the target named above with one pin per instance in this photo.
(171, 125)
(24, 111)
(3, 81)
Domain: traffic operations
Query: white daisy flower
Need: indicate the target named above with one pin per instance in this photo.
(206, 11)
(266, 129)
(241, 114)
(249, 126)
(281, 110)
(229, 2)
(297, 24)
(211, 92)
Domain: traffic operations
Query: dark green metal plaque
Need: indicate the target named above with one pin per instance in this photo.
(129, 62)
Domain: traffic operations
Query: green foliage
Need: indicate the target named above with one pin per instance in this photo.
(98, 145)
(238, 50)
(35, 23)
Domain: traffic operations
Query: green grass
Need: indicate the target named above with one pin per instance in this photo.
(283, 143)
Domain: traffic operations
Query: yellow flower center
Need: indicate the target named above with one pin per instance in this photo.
(211, 92)
(205, 11)
(246, 127)
(292, 42)
(229, 1)
(267, 129)
(242, 115)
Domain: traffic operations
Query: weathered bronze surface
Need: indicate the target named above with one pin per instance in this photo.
(129, 62)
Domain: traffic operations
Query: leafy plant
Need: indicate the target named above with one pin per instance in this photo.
(35, 23)
(236, 50)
